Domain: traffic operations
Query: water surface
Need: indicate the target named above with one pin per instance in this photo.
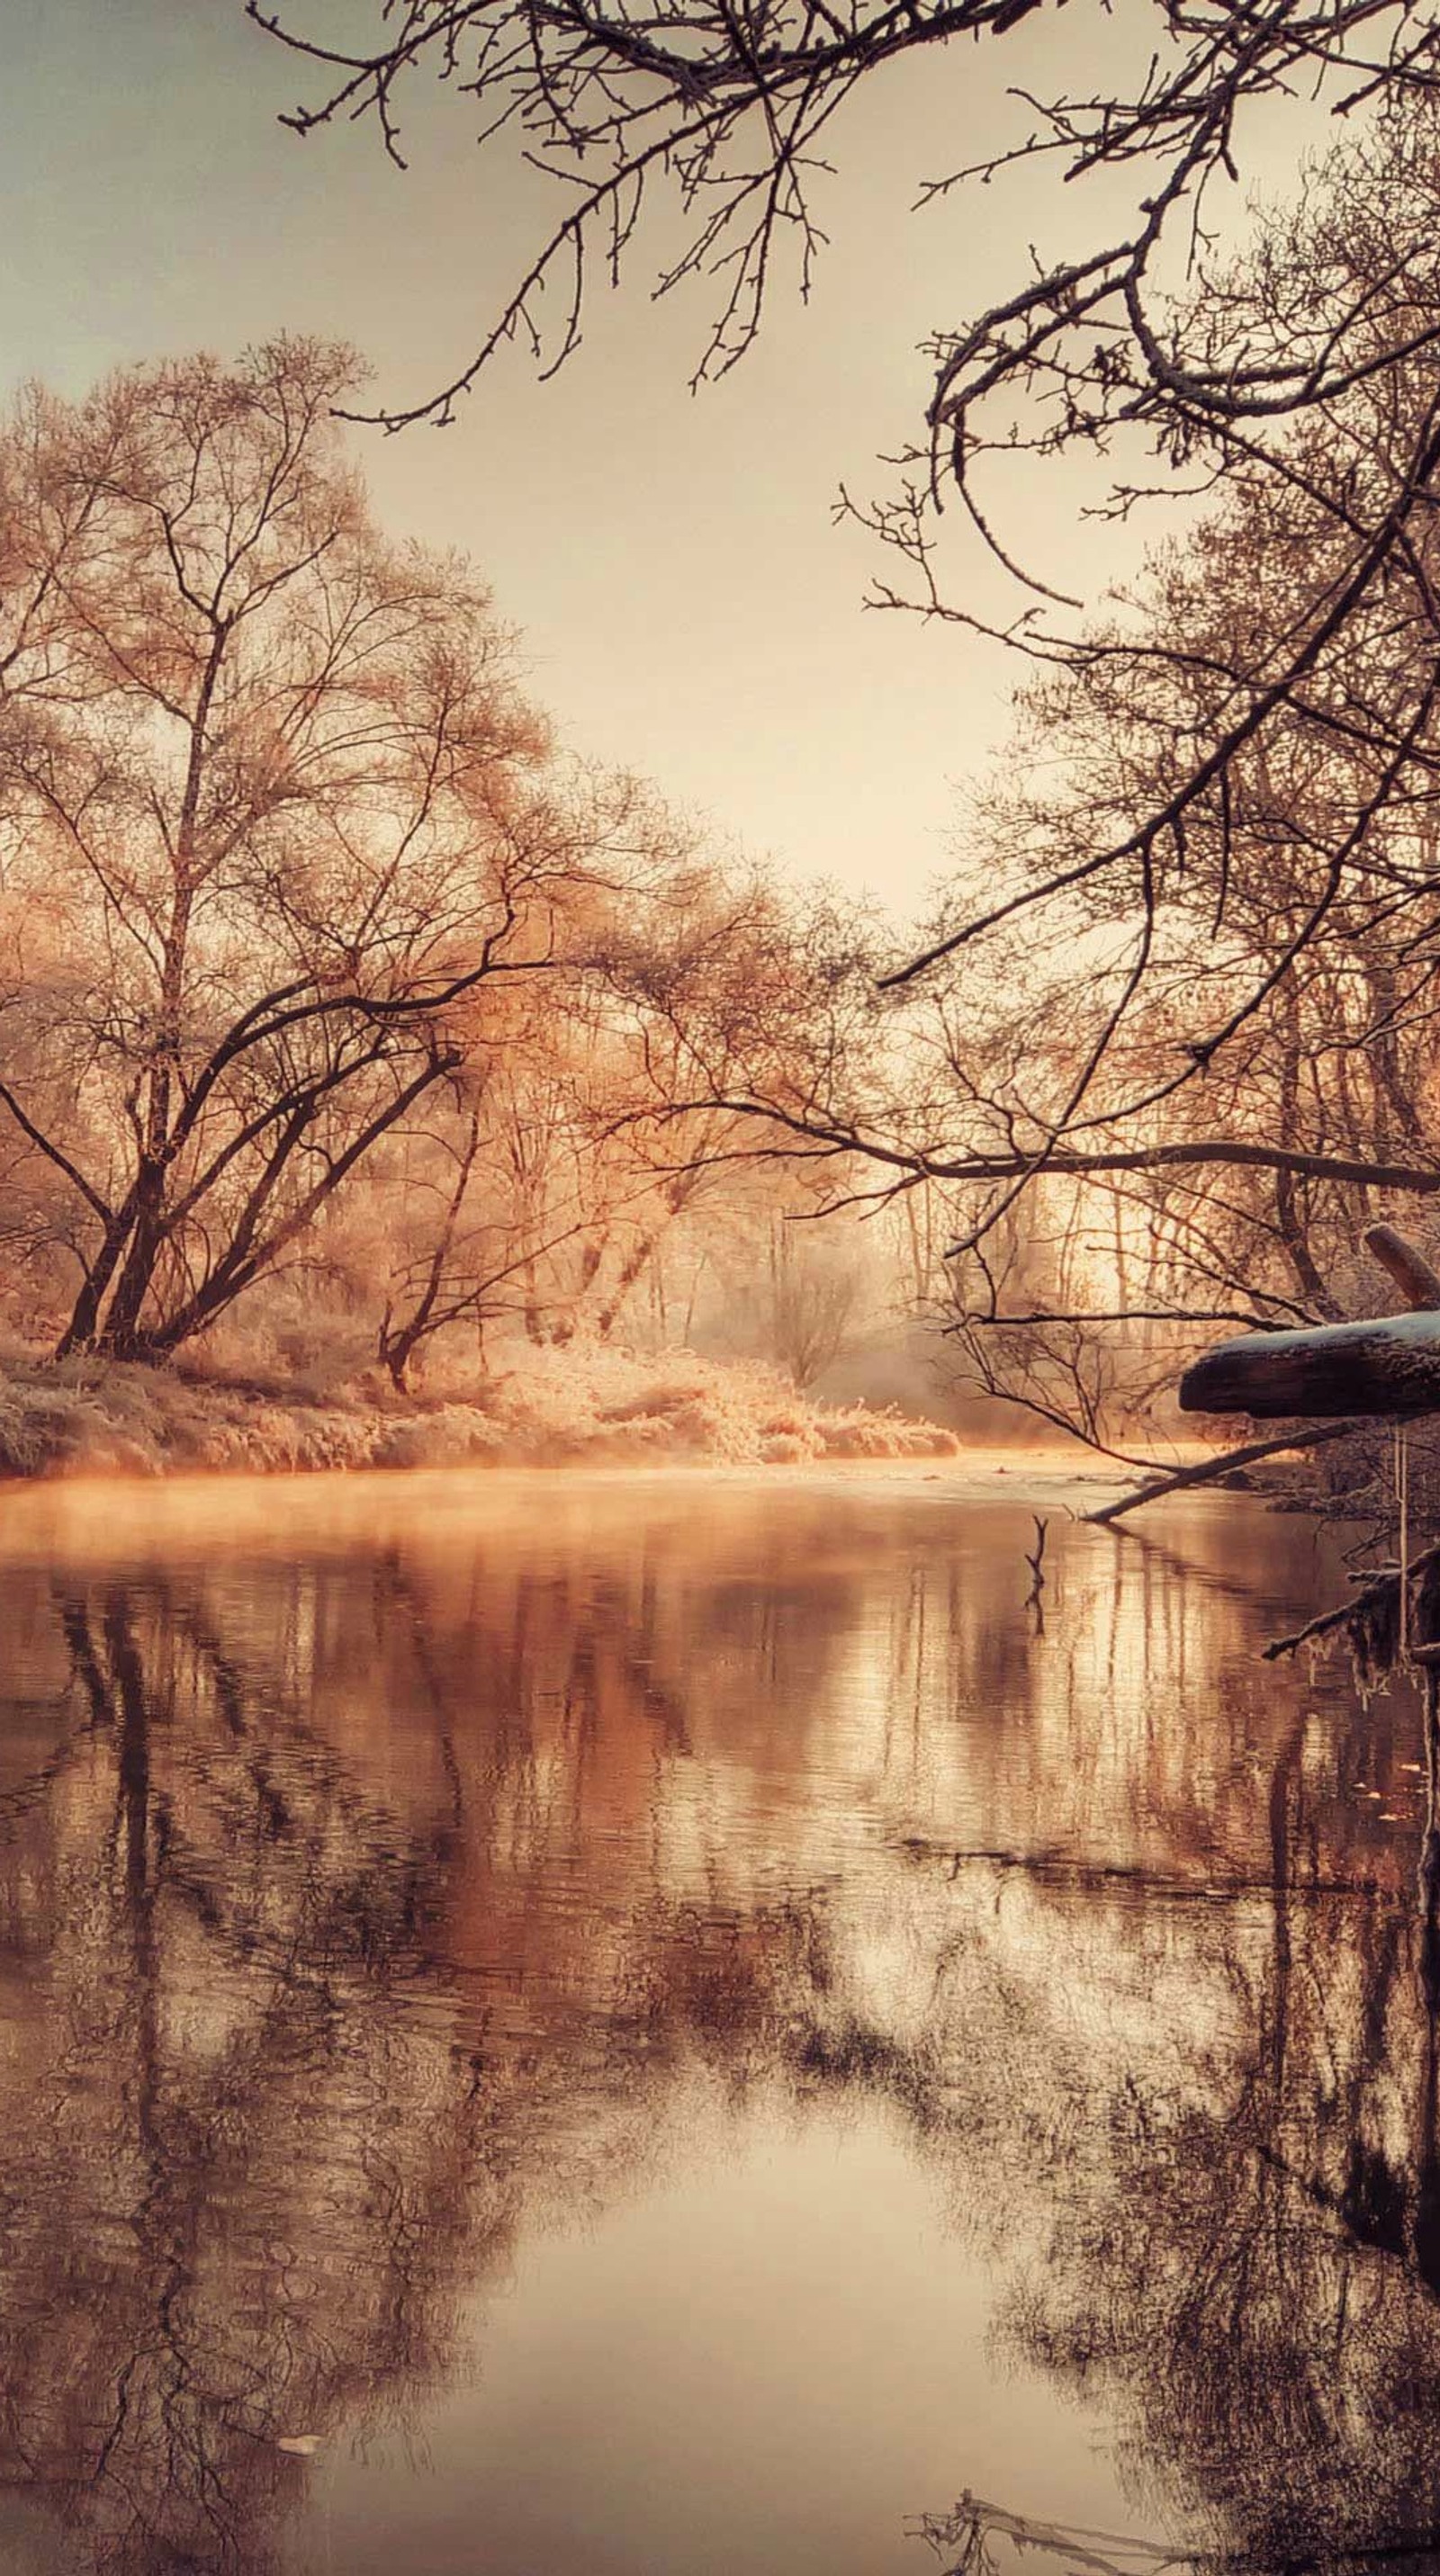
(658, 2024)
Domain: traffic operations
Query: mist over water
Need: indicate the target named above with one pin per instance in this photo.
(672, 2022)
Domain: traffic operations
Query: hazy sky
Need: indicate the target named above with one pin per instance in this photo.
(688, 609)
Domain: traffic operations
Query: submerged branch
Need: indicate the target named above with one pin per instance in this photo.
(972, 2526)
(1209, 1468)
(1062, 1870)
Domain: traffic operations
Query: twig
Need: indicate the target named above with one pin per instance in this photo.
(1036, 1563)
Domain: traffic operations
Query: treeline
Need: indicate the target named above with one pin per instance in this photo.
(337, 1002)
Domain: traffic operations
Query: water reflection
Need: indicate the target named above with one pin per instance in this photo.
(386, 1873)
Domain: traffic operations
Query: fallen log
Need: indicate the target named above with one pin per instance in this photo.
(1382, 1364)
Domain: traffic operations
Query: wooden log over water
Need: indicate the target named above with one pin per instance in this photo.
(1383, 1364)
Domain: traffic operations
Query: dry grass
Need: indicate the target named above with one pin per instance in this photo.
(81, 1418)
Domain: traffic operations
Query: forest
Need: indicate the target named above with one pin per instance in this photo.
(352, 1032)
(359, 1042)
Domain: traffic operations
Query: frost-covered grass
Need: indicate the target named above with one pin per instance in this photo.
(79, 1418)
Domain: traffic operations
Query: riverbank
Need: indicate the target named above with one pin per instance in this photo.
(79, 1418)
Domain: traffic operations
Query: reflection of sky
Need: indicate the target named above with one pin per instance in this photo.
(687, 606)
(757, 2363)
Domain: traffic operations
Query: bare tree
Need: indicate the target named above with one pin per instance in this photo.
(547, 1175)
(816, 1293)
(1196, 1052)
(274, 829)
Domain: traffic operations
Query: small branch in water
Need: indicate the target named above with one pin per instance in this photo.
(1209, 1468)
(1036, 1564)
(972, 2526)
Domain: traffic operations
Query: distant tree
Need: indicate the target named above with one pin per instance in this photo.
(543, 1183)
(816, 1295)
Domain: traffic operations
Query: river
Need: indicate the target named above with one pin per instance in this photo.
(668, 2024)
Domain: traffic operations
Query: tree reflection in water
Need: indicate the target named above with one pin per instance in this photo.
(362, 1893)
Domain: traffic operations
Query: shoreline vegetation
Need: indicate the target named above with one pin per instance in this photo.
(85, 1417)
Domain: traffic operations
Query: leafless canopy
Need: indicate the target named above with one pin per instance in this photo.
(723, 103)
(1145, 341)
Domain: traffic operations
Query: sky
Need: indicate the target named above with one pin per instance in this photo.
(687, 607)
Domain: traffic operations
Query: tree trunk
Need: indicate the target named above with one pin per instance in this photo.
(80, 1332)
(120, 1335)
